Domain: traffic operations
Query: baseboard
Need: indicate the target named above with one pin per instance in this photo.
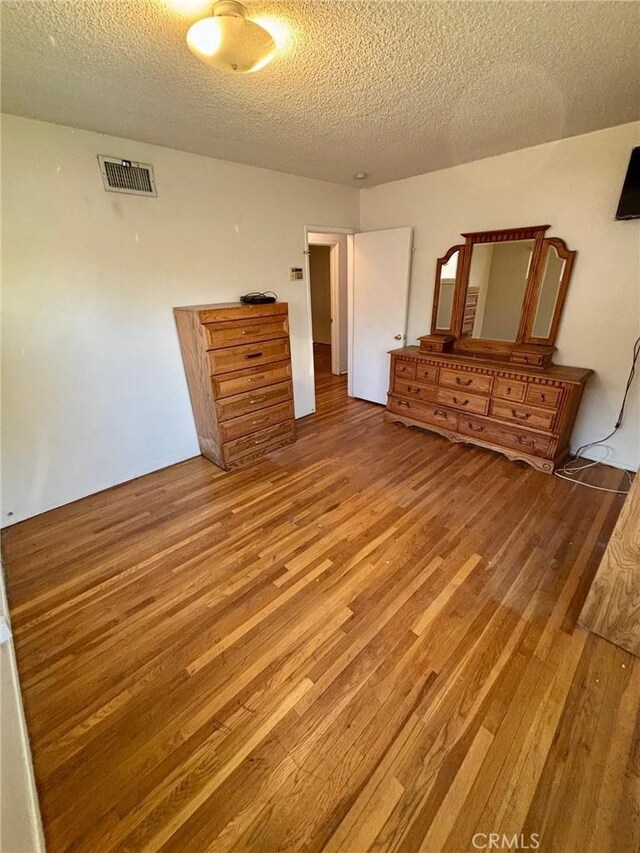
(595, 455)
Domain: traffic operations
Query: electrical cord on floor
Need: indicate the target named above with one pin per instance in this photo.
(566, 472)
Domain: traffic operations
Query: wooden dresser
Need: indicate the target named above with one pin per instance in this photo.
(525, 413)
(237, 360)
(485, 373)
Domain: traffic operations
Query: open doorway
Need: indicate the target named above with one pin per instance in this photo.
(328, 256)
(320, 287)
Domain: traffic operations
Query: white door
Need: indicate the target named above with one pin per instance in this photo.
(381, 267)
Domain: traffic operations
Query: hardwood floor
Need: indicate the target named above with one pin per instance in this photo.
(366, 641)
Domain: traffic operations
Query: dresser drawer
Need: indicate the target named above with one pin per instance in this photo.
(248, 380)
(253, 401)
(406, 369)
(463, 401)
(524, 415)
(504, 436)
(420, 411)
(251, 330)
(234, 451)
(541, 395)
(250, 355)
(465, 381)
(427, 372)
(419, 390)
(509, 389)
(245, 425)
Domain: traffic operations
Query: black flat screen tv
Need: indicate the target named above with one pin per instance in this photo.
(629, 204)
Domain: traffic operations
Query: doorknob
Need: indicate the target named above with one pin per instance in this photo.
(399, 337)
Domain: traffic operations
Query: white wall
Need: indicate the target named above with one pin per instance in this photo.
(574, 185)
(93, 385)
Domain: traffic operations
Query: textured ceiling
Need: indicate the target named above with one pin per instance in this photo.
(390, 88)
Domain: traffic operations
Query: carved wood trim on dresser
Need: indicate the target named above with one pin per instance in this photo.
(237, 359)
(524, 413)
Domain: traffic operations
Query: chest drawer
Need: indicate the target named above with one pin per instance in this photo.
(427, 372)
(251, 355)
(463, 401)
(541, 395)
(245, 425)
(404, 369)
(251, 330)
(259, 441)
(465, 381)
(524, 415)
(253, 401)
(509, 389)
(248, 380)
(421, 411)
(420, 391)
(504, 435)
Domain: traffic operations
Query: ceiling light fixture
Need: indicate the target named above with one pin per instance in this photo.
(360, 176)
(228, 40)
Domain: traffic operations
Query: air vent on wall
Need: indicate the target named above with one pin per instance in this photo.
(125, 176)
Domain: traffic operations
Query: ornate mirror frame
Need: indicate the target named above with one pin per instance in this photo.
(526, 348)
(441, 262)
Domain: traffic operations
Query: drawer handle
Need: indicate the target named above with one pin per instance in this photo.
(253, 355)
(521, 440)
(523, 417)
(404, 403)
(460, 402)
(258, 400)
(439, 413)
(543, 397)
(260, 420)
(413, 389)
(465, 382)
(475, 428)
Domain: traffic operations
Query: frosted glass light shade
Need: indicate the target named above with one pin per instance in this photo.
(229, 41)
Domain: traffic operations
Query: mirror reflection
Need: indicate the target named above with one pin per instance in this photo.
(548, 295)
(445, 294)
(497, 282)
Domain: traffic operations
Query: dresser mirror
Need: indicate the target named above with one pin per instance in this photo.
(446, 276)
(556, 264)
(501, 295)
(497, 281)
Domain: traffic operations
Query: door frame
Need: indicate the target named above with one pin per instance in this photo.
(338, 319)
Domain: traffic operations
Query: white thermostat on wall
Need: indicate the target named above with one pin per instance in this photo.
(295, 273)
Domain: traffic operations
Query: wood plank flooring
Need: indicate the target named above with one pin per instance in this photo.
(366, 642)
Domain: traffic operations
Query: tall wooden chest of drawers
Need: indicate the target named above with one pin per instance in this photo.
(237, 359)
(523, 412)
